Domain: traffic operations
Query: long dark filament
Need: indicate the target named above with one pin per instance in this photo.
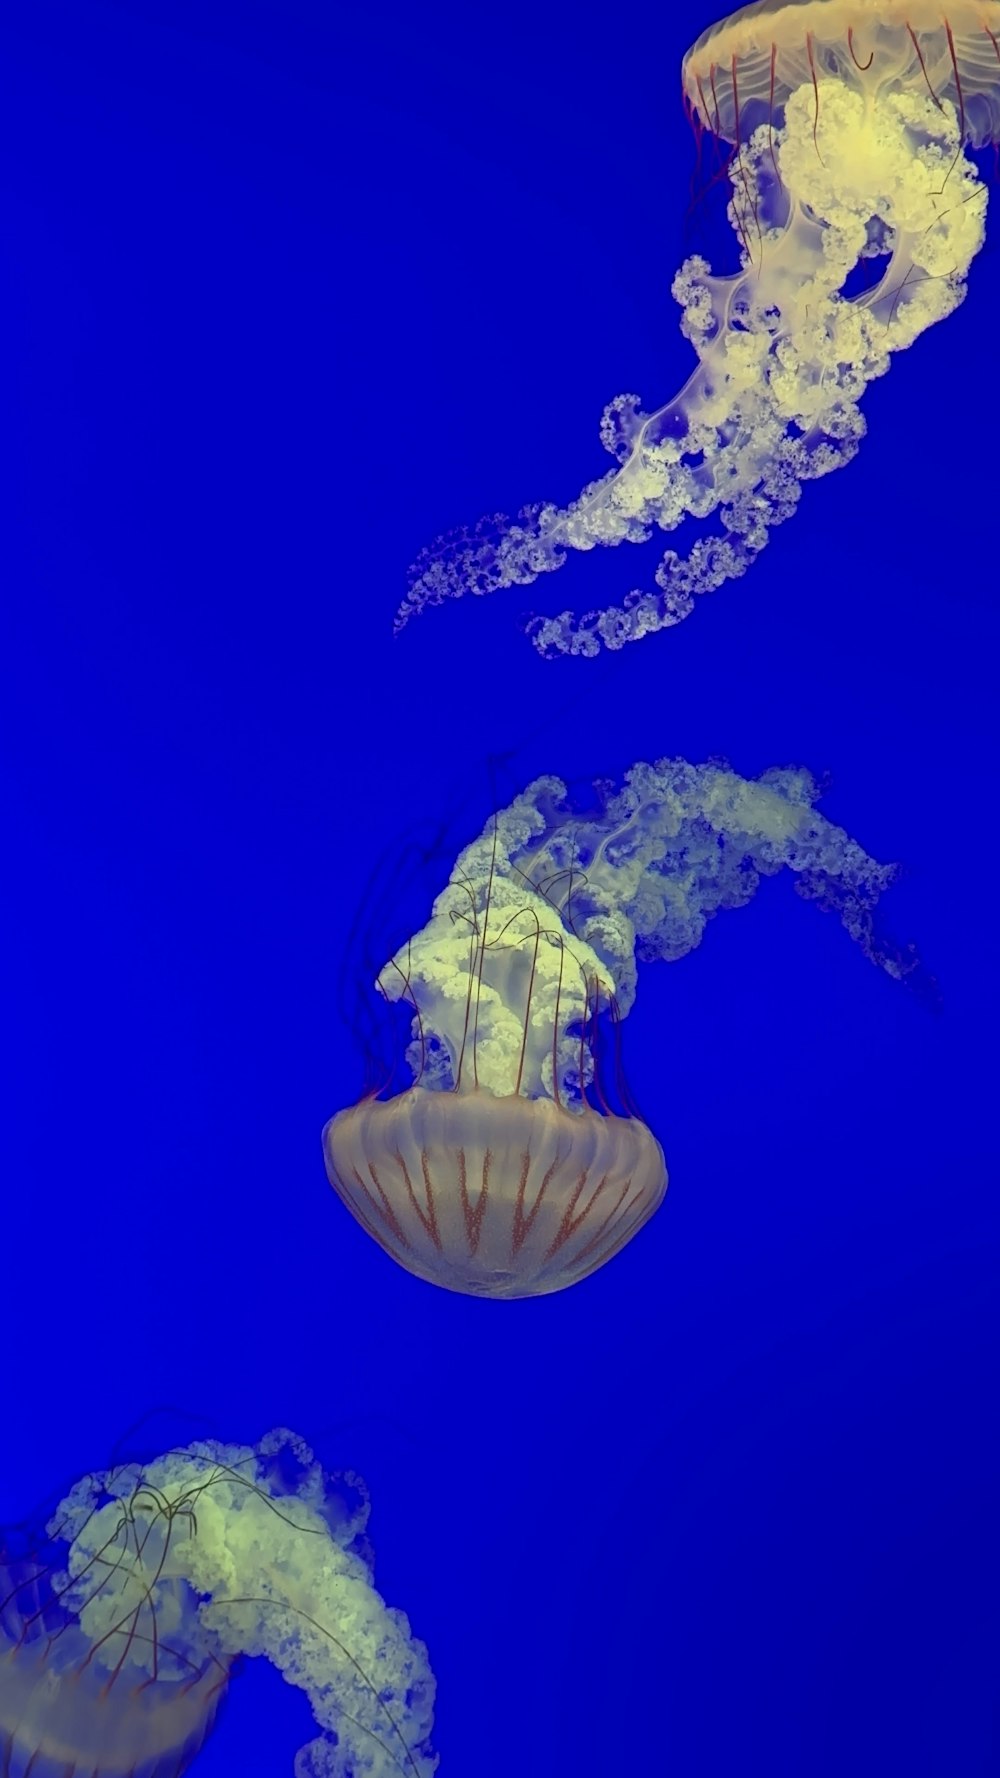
(473, 947)
(555, 1032)
(409, 998)
(923, 66)
(961, 101)
(482, 952)
(737, 154)
(589, 1035)
(255, 1599)
(862, 67)
(527, 1006)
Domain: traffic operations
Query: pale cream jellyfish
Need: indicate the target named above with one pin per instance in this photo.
(848, 122)
(507, 1169)
(119, 1634)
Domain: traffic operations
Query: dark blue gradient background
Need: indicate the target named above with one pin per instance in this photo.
(284, 293)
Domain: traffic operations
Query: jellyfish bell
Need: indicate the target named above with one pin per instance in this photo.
(513, 1164)
(504, 1170)
(494, 1195)
(92, 1678)
(64, 1712)
(847, 122)
(743, 70)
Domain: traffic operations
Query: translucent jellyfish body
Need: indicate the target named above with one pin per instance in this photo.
(119, 1632)
(847, 123)
(515, 1164)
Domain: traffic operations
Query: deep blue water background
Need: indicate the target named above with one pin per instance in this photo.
(284, 294)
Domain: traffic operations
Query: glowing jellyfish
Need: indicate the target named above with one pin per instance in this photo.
(511, 1167)
(848, 122)
(118, 1639)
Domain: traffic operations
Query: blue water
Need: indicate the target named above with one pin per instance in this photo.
(284, 295)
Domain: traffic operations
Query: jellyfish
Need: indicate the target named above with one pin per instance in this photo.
(515, 1163)
(119, 1635)
(847, 126)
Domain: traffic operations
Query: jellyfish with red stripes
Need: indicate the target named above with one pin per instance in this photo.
(514, 1162)
(846, 130)
(121, 1625)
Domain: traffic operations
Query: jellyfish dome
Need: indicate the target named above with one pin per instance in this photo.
(120, 1630)
(846, 124)
(515, 1164)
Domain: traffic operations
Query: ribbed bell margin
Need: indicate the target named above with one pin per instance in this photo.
(494, 1196)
